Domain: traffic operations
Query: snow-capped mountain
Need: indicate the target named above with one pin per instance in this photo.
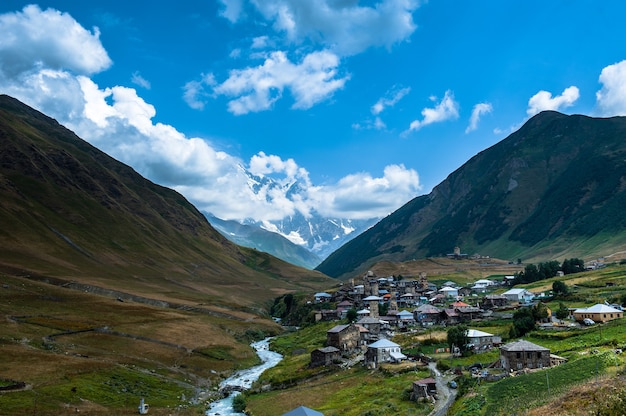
(305, 228)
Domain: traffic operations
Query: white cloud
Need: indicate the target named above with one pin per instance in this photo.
(611, 99)
(195, 93)
(260, 42)
(390, 99)
(543, 101)
(121, 123)
(256, 89)
(48, 39)
(446, 109)
(137, 79)
(344, 26)
(360, 195)
(478, 110)
(232, 9)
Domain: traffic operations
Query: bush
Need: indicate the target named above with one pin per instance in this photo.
(239, 403)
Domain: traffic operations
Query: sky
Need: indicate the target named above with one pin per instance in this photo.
(367, 104)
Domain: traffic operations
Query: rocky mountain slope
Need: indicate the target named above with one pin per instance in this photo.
(270, 242)
(556, 188)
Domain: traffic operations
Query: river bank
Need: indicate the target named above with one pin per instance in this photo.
(243, 379)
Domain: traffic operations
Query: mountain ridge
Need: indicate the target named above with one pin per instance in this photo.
(551, 189)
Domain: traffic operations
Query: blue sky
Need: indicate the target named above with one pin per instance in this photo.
(368, 104)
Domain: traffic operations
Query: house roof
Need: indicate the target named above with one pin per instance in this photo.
(425, 381)
(397, 355)
(322, 295)
(448, 289)
(405, 313)
(372, 297)
(475, 333)
(483, 282)
(523, 345)
(428, 309)
(459, 304)
(368, 320)
(303, 411)
(363, 312)
(598, 308)
(337, 328)
(328, 349)
(383, 343)
(514, 291)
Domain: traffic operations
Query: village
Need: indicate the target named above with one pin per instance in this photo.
(378, 308)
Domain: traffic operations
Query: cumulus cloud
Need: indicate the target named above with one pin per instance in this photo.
(121, 123)
(48, 39)
(256, 89)
(344, 26)
(359, 195)
(446, 109)
(611, 99)
(478, 111)
(543, 101)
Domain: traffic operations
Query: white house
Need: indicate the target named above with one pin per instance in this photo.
(481, 341)
(449, 292)
(383, 351)
(482, 284)
(322, 297)
(518, 295)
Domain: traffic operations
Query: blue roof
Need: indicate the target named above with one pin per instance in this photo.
(303, 411)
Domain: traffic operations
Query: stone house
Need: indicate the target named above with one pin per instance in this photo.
(494, 301)
(373, 325)
(523, 354)
(324, 356)
(343, 337)
(428, 315)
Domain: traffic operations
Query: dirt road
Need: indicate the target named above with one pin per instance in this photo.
(445, 394)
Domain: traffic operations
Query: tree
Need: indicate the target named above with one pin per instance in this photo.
(351, 315)
(523, 322)
(540, 312)
(383, 308)
(559, 288)
(562, 312)
(457, 338)
(573, 265)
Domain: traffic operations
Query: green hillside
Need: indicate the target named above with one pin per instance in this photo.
(553, 189)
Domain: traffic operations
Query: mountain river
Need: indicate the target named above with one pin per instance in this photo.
(243, 379)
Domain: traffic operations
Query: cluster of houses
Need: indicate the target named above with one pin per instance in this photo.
(418, 302)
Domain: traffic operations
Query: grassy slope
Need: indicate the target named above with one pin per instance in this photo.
(71, 216)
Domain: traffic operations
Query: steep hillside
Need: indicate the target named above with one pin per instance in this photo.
(70, 211)
(555, 188)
